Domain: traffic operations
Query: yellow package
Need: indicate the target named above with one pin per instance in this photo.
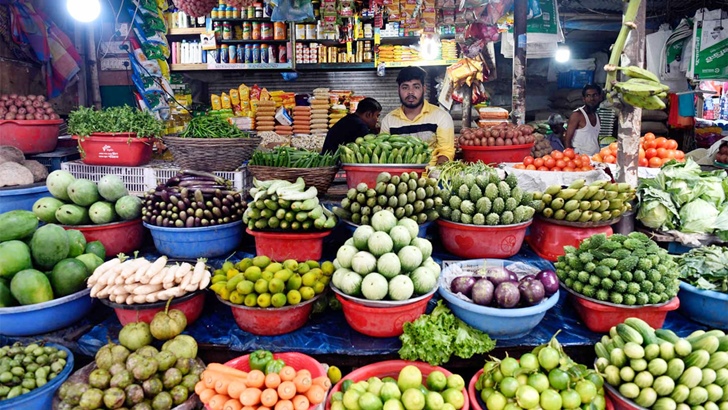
(234, 97)
(254, 106)
(225, 101)
(215, 101)
(244, 91)
(245, 110)
(264, 95)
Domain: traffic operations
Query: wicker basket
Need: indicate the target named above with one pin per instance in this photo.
(321, 177)
(213, 154)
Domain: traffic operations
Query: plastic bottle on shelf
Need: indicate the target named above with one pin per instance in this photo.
(181, 19)
(174, 53)
(183, 52)
(203, 55)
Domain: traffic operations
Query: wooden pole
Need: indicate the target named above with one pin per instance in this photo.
(518, 105)
(93, 68)
(83, 74)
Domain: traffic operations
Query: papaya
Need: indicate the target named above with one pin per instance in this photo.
(68, 276)
(97, 248)
(17, 225)
(76, 243)
(30, 286)
(6, 298)
(49, 246)
(15, 256)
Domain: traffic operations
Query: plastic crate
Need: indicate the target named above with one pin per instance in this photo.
(575, 78)
(53, 160)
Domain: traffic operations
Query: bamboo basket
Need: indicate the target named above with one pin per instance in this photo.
(320, 177)
(211, 154)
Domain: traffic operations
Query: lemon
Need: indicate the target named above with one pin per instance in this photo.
(264, 300)
(308, 279)
(227, 266)
(251, 300)
(252, 273)
(369, 401)
(245, 287)
(244, 264)
(436, 381)
(261, 286)
(334, 374)
(267, 275)
(307, 293)
(313, 264)
(278, 300)
(294, 282)
(303, 268)
(261, 261)
(231, 273)
(274, 267)
(294, 297)
(291, 265)
(283, 274)
(319, 287)
(276, 286)
(327, 268)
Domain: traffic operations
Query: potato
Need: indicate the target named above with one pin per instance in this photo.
(11, 154)
(13, 174)
(39, 171)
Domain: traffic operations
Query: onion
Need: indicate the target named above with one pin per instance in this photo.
(13, 96)
(49, 110)
(22, 110)
(29, 116)
(10, 116)
(463, 284)
(30, 110)
(38, 116)
(482, 292)
(499, 142)
(55, 116)
(31, 97)
(549, 280)
(46, 117)
(41, 98)
(22, 97)
(12, 108)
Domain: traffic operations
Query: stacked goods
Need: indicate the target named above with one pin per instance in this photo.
(410, 390)
(138, 280)
(567, 161)
(624, 270)
(265, 115)
(485, 200)
(260, 282)
(500, 288)
(722, 154)
(503, 134)
(135, 374)
(15, 170)
(309, 142)
(405, 195)
(599, 201)
(193, 199)
(21, 375)
(212, 126)
(279, 204)
(82, 202)
(302, 120)
(65, 255)
(542, 146)
(386, 261)
(285, 130)
(551, 380)
(643, 89)
(286, 157)
(658, 369)
(320, 111)
(654, 152)
(337, 112)
(26, 107)
(269, 383)
(386, 149)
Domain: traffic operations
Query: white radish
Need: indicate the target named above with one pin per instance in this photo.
(140, 272)
(185, 281)
(191, 287)
(95, 289)
(153, 270)
(133, 267)
(165, 272)
(118, 290)
(140, 298)
(199, 271)
(105, 292)
(120, 299)
(129, 300)
(147, 289)
(152, 297)
(205, 282)
(106, 266)
(184, 270)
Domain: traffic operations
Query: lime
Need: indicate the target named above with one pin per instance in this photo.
(334, 374)
(410, 377)
(423, 389)
(261, 286)
(294, 282)
(599, 402)
(375, 385)
(550, 400)
(390, 391)
(252, 273)
(496, 401)
(294, 297)
(509, 366)
(227, 266)
(455, 381)
(559, 379)
(548, 358)
(437, 381)
(369, 401)
(251, 300)
(267, 275)
(448, 406)
(307, 293)
(528, 397)
(497, 375)
(337, 405)
(512, 406)
(359, 388)
(278, 300)
(345, 384)
(529, 362)
(587, 390)
(434, 401)
(595, 378)
(261, 261)
(508, 386)
(538, 381)
(413, 399)
(351, 399)
(522, 379)
(485, 393)
(570, 399)
(276, 286)
(319, 288)
(245, 287)
(274, 267)
(338, 396)
(389, 380)
(454, 397)
(363, 384)
(264, 300)
(290, 264)
(393, 404)
(309, 279)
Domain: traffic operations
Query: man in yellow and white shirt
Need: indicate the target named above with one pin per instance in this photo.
(417, 117)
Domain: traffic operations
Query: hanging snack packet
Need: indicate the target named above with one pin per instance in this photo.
(215, 101)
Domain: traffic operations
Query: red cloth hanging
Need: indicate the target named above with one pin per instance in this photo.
(674, 119)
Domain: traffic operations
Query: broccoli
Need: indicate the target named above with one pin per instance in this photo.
(639, 276)
(561, 259)
(618, 237)
(602, 295)
(589, 291)
(654, 298)
(646, 286)
(642, 298)
(590, 267)
(594, 280)
(659, 287)
(627, 276)
(583, 277)
(664, 297)
(620, 286)
(597, 240)
(654, 276)
(607, 284)
(653, 248)
(630, 299)
(633, 244)
(578, 287)
(560, 264)
(620, 254)
(616, 298)
(611, 263)
(569, 283)
(672, 290)
(644, 264)
(602, 271)
(561, 274)
(633, 288)
(627, 264)
(615, 275)
(639, 236)
(640, 253)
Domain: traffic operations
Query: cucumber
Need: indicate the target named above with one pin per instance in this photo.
(629, 390)
(709, 377)
(664, 386)
(652, 351)
(629, 334)
(647, 397)
(611, 375)
(683, 348)
(664, 403)
(675, 368)
(644, 379)
(695, 334)
(721, 378)
(708, 343)
(699, 358)
(715, 392)
(723, 346)
(680, 393)
(718, 360)
(638, 365)
(602, 364)
(617, 357)
(667, 334)
(667, 351)
(600, 350)
(645, 330)
(627, 373)
(657, 367)
(618, 341)
(613, 331)
(691, 377)
(633, 350)
(698, 395)
(683, 406)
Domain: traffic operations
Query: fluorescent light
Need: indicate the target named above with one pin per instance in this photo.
(429, 47)
(84, 11)
(563, 54)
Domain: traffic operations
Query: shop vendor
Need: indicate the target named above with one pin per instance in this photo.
(582, 133)
(419, 118)
(353, 126)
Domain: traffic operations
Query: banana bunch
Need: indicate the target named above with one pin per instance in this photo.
(643, 89)
(597, 202)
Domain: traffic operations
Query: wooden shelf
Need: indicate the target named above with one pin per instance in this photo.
(335, 66)
(253, 41)
(330, 42)
(186, 31)
(430, 63)
(187, 67)
(241, 20)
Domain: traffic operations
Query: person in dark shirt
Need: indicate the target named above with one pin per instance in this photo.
(353, 126)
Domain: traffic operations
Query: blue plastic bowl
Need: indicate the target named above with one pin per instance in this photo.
(42, 397)
(497, 323)
(704, 306)
(45, 317)
(351, 227)
(202, 242)
(21, 198)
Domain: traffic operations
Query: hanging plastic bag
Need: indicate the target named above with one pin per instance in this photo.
(292, 10)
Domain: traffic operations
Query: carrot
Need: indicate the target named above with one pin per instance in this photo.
(286, 390)
(217, 402)
(304, 371)
(287, 373)
(249, 408)
(199, 387)
(209, 378)
(302, 382)
(206, 395)
(227, 370)
(250, 396)
(263, 408)
(232, 404)
(221, 385)
(300, 402)
(272, 380)
(284, 405)
(235, 388)
(322, 381)
(316, 394)
(269, 397)
(256, 378)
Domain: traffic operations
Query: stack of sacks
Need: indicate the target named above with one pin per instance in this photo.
(284, 130)
(265, 116)
(449, 50)
(337, 112)
(320, 111)
(302, 120)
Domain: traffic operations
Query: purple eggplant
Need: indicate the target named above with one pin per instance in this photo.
(482, 292)
(507, 295)
(497, 275)
(532, 292)
(463, 284)
(549, 280)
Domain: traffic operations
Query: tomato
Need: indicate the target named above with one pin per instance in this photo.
(569, 153)
(577, 163)
(650, 153)
(650, 144)
(585, 158)
(519, 166)
(530, 167)
(610, 159)
(649, 136)
(587, 168)
(662, 152)
(546, 157)
(557, 169)
(679, 155)
(655, 162)
(550, 163)
(549, 358)
(529, 362)
(569, 169)
(670, 154)
(642, 152)
(543, 168)
(538, 381)
(671, 144)
(561, 163)
(613, 146)
(551, 400)
(570, 399)
(538, 162)
(660, 141)
(497, 401)
(508, 386)
(509, 366)
(557, 155)
(644, 162)
(587, 390)
(528, 160)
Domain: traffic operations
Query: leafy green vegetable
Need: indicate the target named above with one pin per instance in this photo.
(705, 268)
(85, 121)
(447, 171)
(698, 216)
(212, 126)
(288, 157)
(435, 337)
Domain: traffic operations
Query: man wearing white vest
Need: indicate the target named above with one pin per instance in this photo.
(582, 133)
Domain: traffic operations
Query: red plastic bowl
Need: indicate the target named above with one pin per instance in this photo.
(280, 246)
(122, 150)
(391, 368)
(190, 304)
(368, 173)
(496, 155)
(271, 321)
(617, 401)
(30, 136)
(480, 241)
(381, 321)
(548, 239)
(117, 237)
(600, 317)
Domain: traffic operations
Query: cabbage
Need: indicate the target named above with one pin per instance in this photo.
(401, 288)
(653, 214)
(698, 216)
(363, 263)
(713, 190)
(388, 265)
(383, 221)
(361, 236)
(423, 245)
(410, 257)
(411, 226)
(345, 254)
(350, 283)
(380, 243)
(423, 280)
(400, 236)
(374, 286)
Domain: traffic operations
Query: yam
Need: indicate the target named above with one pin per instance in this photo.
(11, 154)
(40, 172)
(12, 174)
